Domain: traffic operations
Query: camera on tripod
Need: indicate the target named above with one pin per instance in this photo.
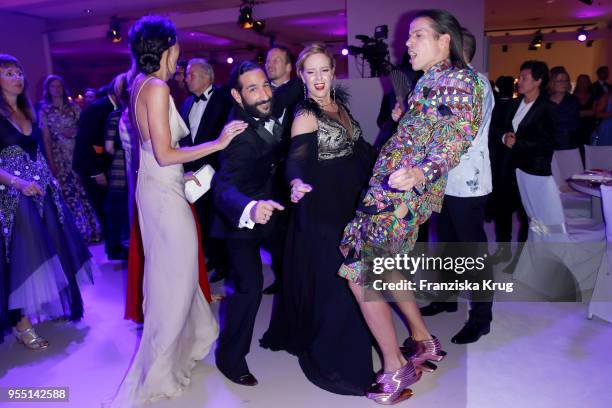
(375, 51)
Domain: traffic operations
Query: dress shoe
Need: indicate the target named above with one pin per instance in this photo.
(435, 308)
(216, 275)
(120, 254)
(272, 289)
(503, 253)
(471, 332)
(247, 379)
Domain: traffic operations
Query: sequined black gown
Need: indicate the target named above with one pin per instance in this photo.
(323, 325)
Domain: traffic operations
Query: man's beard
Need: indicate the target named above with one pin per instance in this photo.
(256, 113)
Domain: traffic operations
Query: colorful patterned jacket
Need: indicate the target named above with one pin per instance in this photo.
(442, 119)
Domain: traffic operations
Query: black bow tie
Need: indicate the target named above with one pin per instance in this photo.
(199, 98)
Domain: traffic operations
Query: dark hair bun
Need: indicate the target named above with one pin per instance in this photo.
(149, 37)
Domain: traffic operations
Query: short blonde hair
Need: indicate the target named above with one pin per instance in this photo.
(312, 49)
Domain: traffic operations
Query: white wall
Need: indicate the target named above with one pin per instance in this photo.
(364, 15)
(23, 38)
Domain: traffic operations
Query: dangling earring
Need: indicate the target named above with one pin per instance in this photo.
(334, 93)
(305, 92)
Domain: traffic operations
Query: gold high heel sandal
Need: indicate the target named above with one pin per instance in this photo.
(30, 339)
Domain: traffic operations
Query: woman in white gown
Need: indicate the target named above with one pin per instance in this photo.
(179, 327)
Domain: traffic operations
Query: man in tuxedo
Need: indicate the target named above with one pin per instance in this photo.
(205, 112)
(501, 167)
(288, 92)
(246, 196)
(601, 86)
(91, 161)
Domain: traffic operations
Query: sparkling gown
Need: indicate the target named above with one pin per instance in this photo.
(179, 327)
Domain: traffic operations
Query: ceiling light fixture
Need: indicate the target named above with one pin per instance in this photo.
(245, 19)
(536, 42)
(114, 30)
(582, 35)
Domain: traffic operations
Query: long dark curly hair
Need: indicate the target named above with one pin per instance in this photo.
(149, 37)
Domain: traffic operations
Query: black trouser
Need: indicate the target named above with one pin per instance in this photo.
(96, 194)
(508, 200)
(116, 221)
(239, 310)
(214, 248)
(462, 220)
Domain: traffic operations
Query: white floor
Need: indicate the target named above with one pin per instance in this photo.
(537, 355)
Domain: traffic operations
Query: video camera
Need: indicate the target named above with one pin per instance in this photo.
(375, 51)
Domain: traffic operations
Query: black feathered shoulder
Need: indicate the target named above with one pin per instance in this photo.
(340, 94)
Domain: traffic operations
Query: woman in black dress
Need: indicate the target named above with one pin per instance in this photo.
(42, 254)
(328, 165)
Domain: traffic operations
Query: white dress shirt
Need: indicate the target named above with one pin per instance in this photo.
(472, 176)
(520, 114)
(196, 112)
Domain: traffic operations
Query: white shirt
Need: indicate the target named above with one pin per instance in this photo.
(245, 219)
(472, 176)
(196, 112)
(520, 114)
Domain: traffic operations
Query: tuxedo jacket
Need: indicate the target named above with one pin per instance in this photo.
(598, 90)
(286, 99)
(89, 159)
(535, 137)
(248, 171)
(213, 119)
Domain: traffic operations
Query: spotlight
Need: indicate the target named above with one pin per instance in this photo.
(536, 42)
(345, 51)
(259, 26)
(582, 35)
(230, 60)
(245, 20)
(114, 30)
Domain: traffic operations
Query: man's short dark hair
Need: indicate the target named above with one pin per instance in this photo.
(539, 70)
(505, 85)
(288, 54)
(600, 70)
(241, 68)
(469, 44)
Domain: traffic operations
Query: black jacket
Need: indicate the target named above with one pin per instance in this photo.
(212, 122)
(89, 159)
(535, 137)
(248, 172)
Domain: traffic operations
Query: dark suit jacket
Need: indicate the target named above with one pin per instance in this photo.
(86, 161)
(286, 98)
(598, 90)
(535, 138)
(247, 172)
(214, 118)
(499, 154)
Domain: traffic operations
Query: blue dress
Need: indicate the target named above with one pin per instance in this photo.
(42, 255)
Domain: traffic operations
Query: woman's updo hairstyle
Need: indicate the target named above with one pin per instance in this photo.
(149, 37)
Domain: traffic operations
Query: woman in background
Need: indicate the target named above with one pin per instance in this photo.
(58, 117)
